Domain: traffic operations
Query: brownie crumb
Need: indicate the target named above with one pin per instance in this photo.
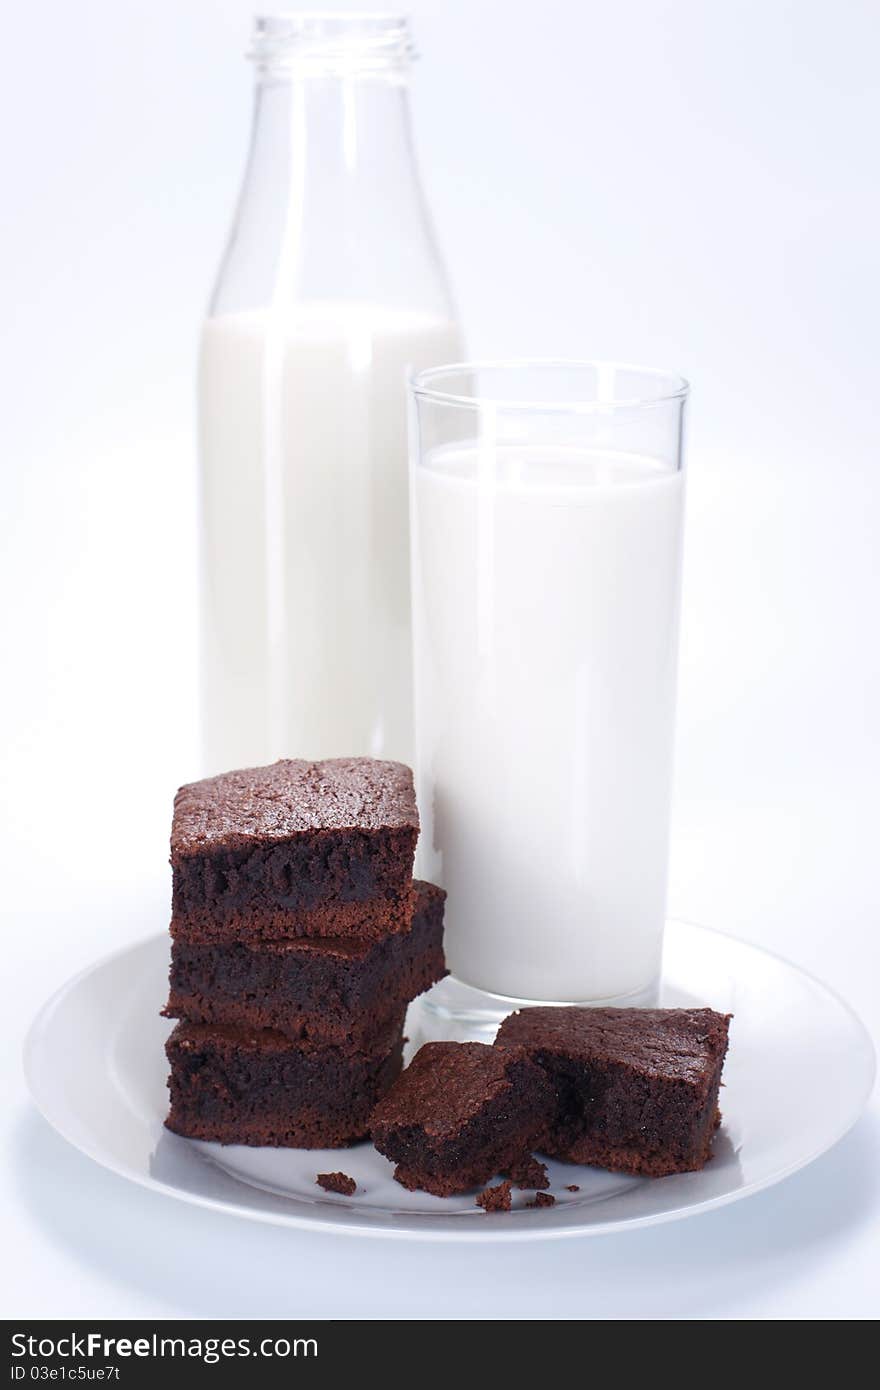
(337, 1182)
(572, 1187)
(543, 1199)
(529, 1173)
(495, 1198)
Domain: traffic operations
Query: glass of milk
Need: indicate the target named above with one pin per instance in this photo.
(547, 512)
(331, 291)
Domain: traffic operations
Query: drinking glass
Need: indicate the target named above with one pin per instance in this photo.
(547, 507)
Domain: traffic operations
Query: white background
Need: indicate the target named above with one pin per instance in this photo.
(687, 183)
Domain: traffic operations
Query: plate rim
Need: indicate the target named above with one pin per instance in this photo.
(457, 1231)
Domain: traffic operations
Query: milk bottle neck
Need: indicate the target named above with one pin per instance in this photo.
(336, 141)
(331, 205)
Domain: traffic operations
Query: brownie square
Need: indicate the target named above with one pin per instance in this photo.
(337, 990)
(251, 1086)
(295, 849)
(637, 1088)
(460, 1113)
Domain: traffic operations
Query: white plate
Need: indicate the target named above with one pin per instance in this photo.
(799, 1071)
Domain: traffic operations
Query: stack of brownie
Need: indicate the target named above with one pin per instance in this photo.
(299, 937)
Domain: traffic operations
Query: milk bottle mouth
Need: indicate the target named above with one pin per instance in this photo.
(332, 43)
(550, 386)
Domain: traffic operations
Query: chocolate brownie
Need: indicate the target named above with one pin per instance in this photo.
(340, 990)
(637, 1088)
(251, 1086)
(495, 1198)
(294, 849)
(337, 1182)
(528, 1173)
(460, 1113)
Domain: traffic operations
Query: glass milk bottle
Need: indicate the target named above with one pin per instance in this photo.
(330, 294)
